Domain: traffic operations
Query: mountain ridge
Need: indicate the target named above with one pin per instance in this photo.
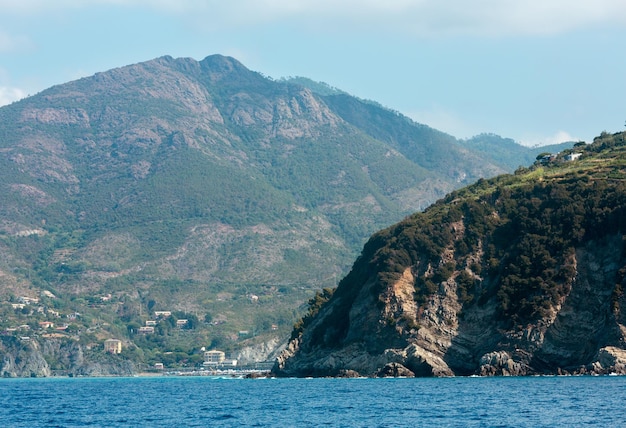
(196, 185)
(143, 138)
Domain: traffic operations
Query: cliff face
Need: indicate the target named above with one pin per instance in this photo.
(508, 277)
(49, 357)
(582, 334)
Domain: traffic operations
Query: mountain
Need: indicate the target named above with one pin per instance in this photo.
(494, 149)
(169, 152)
(516, 275)
(205, 189)
(507, 153)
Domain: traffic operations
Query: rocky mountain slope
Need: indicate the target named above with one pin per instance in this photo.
(208, 171)
(517, 275)
(202, 188)
(48, 357)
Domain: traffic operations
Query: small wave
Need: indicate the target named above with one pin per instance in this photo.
(224, 417)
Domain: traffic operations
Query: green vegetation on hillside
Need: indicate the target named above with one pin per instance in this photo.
(196, 185)
(510, 239)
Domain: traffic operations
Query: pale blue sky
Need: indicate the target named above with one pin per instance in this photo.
(537, 71)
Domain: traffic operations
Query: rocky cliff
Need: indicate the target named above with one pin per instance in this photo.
(518, 275)
(29, 357)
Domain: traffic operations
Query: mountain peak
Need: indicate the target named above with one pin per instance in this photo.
(219, 67)
(217, 60)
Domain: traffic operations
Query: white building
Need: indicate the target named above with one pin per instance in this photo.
(214, 358)
(217, 359)
(572, 156)
(162, 314)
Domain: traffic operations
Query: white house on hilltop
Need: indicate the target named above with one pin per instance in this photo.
(572, 156)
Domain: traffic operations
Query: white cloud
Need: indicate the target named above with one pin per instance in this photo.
(452, 123)
(34, 7)
(420, 17)
(558, 137)
(443, 120)
(9, 95)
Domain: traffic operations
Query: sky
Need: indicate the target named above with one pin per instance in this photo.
(536, 71)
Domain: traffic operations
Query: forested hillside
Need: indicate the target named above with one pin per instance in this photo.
(519, 274)
(204, 189)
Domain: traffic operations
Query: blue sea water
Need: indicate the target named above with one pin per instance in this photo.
(205, 402)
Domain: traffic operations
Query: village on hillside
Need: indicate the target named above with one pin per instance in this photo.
(38, 318)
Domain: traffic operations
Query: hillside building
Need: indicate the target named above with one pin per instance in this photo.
(214, 357)
(572, 156)
(217, 359)
(113, 346)
(162, 314)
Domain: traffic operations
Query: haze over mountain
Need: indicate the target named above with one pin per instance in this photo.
(194, 185)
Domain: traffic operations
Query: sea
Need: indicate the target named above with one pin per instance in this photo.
(170, 401)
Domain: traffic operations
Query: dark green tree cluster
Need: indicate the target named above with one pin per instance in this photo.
(315, 303)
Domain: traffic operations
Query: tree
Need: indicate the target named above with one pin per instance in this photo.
(192, 322)
(132, 328)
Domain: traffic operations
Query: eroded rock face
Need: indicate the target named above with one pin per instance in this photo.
(394, 370)
(263, 351)
(29, 357)
(26, 360)
(582, 334)
(609, 360)
(501, 363)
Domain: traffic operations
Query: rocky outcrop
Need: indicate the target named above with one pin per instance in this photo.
(256, 352)
(24, 359)
(578, 339)
(405, 310)
(501, 363)
(28, 357)
(609, 360)
(394, 370)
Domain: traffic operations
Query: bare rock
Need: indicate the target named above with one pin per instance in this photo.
(348, 374)
(394, 370)
(610, 360)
